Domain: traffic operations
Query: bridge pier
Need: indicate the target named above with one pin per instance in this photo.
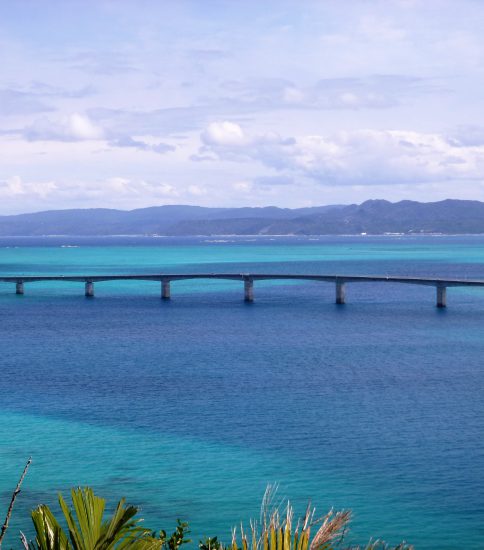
(248, 278)
(248, 289)
(89, 292)
(165, 290)
(340, 292)
(441, 296)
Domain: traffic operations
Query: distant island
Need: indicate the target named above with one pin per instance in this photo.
(373, 217)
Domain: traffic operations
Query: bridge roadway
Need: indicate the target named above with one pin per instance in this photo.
(248, 280)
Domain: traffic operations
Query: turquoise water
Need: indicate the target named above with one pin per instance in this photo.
(189, 408)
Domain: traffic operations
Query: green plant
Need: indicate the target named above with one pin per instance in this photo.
(87, 528)
(177, 538)
(276, 530)
(210, 543)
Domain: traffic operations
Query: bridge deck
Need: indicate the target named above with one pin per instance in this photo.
(429, 281)
(248, 280)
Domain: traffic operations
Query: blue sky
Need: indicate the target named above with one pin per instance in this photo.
(127, 103)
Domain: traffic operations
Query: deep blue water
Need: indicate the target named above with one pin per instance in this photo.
(189, 408)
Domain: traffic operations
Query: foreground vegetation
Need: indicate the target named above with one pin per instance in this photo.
(84, 526)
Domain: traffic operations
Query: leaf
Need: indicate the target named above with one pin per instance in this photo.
(50, 535)
(87, 528)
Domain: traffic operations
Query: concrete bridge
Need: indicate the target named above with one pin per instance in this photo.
(248, 279)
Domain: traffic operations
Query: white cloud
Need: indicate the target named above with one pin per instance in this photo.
(223, 134)
(289, 92)
(73, 127)
(196, 190)
(119, 187)
(77, 127)
(367, 157)
(80, 127)
(14, 187)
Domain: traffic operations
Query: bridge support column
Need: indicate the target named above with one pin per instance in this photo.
(249, 289)
(340, 292)
(441, 296)
(89, 289)
(19, 287)
(165, 290)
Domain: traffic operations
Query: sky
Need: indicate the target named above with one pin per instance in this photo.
(133, 103)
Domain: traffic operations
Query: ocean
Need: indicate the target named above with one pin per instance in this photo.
(190, 407)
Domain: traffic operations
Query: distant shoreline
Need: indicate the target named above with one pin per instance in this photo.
(232, 236)
(374, 217)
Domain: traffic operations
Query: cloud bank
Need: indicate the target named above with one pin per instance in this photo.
(360, 157)
(292, 103)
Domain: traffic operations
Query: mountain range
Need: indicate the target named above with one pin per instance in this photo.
(373, 217)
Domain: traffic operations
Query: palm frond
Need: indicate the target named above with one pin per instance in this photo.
(87, 529)
(49, 534)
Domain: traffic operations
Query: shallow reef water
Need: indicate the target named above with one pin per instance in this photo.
(190, 407)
